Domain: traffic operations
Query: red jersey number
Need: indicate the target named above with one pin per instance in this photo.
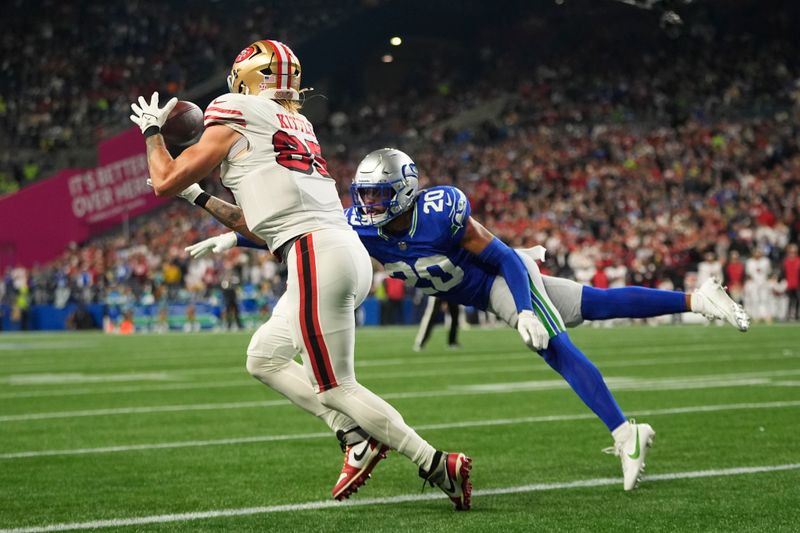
(294, 154)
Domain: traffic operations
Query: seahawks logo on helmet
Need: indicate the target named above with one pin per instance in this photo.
(409, 170)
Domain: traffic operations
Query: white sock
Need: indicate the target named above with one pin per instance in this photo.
(341, 422)
(378, 418)
(696, 302)
(622, 432)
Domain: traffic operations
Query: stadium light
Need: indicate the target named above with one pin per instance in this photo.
(395, 41)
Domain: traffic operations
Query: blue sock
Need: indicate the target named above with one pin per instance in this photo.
(584, 378)
(630, 302)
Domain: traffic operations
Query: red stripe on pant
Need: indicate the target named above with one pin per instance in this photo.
(309, 315)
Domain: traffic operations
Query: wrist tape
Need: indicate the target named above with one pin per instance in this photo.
(202, 199)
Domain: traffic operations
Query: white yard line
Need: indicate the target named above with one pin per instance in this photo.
(13, 349)
(166, 445)
(786, 383)
(143, 410)
(781, 351)
(70, 378)
(424, 427)
(244, 381)
(82, 378)
(745, 379)
(391, 500)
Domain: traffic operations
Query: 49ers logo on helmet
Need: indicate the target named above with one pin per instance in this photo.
(244, 54)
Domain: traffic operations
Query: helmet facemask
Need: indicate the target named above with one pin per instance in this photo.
(384, 187)
(376, 203)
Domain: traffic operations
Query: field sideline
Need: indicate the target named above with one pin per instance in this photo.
(169, 433)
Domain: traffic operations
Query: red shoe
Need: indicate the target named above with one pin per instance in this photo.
(452, 476)
(359, 460)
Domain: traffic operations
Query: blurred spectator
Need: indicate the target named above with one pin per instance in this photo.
(756, 289)
(395, 295)
(101, 55)
(734, 276)
(80, 319)
(192, 323)
(616, 273)
(791, 273)
(162, 322)
(626, 165)
(778, 301)
(710, 267)
(600, 279)
(230, 301)
(21, 312)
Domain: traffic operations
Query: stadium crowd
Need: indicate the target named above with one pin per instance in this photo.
(71, 69)
(649, 167)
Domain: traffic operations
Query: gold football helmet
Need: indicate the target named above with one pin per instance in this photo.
(267, 68)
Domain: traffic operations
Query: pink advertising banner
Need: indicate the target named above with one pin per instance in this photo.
(38, 222)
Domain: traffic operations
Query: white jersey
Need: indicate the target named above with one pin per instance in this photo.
(758, 269)
(280, 181)
(708, 269)
(617, 275)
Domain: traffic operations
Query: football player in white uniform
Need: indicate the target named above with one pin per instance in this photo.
(271, 161)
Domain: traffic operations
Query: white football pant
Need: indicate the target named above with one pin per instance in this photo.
(558, 300)
(329, 276)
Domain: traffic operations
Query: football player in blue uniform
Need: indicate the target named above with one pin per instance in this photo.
(429, 239)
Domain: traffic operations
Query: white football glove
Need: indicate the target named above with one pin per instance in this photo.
(189, 194)
(536, 253)
(532, 331)
(217, 244)
(146, 114)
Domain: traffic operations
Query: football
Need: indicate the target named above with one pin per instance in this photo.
(184, 125)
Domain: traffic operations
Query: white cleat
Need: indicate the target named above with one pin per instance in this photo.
(714, 302)
(632, 452)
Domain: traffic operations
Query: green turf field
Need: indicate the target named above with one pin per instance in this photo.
(169, 433)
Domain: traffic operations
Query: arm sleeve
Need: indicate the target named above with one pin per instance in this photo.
(244, 242)
(513, 271)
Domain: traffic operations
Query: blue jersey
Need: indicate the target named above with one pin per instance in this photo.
(429, 255)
